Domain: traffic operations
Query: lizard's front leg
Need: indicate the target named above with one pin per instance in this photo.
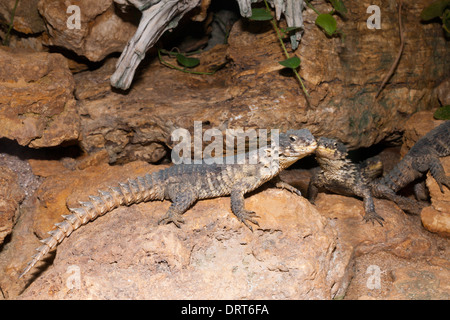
(237, 201)
(183, 197)
(369, 207)
(313, 187)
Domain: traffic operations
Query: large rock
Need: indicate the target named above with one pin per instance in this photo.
(443, 92)
(10, 196)
(398, 261)
(252, 92)
(418, 125)
(211, 257)
(289, 256)
(299, 251)
(436, 218)
(103, 29)
(383, 276)
(37, 107)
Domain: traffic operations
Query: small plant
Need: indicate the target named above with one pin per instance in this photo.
(183, 60)
(438, 9)
(325, 21)
(443, 113)
(11, 24)
(265, 14)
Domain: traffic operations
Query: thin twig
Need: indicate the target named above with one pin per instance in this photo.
(167, 64)
(274, 25)
(399, 54)
(312, 7)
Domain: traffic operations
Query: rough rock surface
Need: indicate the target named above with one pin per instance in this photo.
(103, 28)
(37, 108)
(211, 257)
(436, 218)
(252, 91)
(17, 184)
(26, 19)
(381, 276)
(418, 125)
(401, 253)
(443, 92)
(10, 196)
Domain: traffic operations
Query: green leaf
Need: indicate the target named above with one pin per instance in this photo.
(187, 62)
(338, 5)
(434, 10)
(292, 62)
(260, 14)
(327, 23)
(446, 20)
(443, 113)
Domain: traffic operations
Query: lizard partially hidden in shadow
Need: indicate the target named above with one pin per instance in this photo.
(421, 158)
(340, 175)
(184, 184)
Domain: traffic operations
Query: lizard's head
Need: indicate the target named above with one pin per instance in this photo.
(330, 149)
(297, 143)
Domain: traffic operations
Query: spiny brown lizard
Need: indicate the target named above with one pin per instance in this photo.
(340, 175)
(421, 158)
(184, 184)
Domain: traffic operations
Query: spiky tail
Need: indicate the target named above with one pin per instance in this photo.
(134, 191)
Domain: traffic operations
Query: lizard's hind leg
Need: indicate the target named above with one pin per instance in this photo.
(438, 173)
(409, 205)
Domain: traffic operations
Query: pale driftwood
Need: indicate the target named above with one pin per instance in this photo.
(161, 15)
(157, 17)
(291, 9)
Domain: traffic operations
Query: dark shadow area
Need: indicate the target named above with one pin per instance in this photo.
(69, 54)
(11, 147)
(6, 240)
(128, 14)
(45, 263)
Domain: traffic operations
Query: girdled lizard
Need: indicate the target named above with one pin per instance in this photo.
(184, 184)
(340, 175)
(421, 158)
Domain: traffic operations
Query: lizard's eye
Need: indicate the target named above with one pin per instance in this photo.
(293, 138)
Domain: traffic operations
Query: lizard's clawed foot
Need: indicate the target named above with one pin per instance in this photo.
(287, 186)
(444, 181)
(373, 216)
(248, 216)
(176, 218)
